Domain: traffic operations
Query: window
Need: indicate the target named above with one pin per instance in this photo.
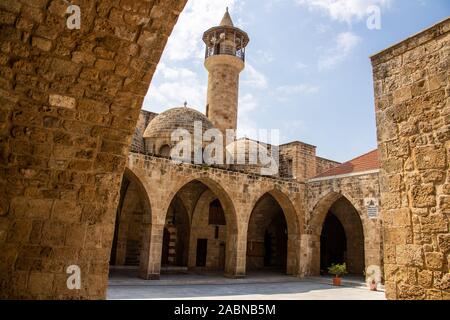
(216, 214)
(165, 151)
(289, 168)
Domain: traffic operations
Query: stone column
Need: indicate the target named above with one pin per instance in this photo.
(293, 254)
(150, 262)
(236, 254)
(309, 255)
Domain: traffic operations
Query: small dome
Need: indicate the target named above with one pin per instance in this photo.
(177, 118)
(251, 156)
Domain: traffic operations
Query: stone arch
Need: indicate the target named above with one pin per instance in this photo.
(217, 188)
(200, 226)
(131, 187)
(230, 215)
(178, 226)
(292, 224)
(318, 217)
(81, 120)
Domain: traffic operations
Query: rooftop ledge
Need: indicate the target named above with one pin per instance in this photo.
(412, 42)
(215, 167)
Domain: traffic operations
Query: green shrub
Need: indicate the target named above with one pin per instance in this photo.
(338, 269)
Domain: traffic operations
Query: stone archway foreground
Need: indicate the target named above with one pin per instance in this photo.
(70, 100)
(361, 235)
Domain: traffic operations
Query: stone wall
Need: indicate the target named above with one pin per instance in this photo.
(70, 100)
(201, 229)
(237, 192)
(322, 194)
(138, 143)
(323, 165)
(303, 158)
(412, 97)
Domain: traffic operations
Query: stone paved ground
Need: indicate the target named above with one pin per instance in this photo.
(256, 286)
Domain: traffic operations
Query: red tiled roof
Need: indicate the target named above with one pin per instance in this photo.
(366, 162)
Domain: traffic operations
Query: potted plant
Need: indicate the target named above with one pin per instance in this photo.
(338, 270)
(371, 279)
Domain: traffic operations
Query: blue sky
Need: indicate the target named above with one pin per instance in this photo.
(308, 71)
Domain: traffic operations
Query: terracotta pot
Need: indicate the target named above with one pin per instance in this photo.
(373, 286)
(336, 281)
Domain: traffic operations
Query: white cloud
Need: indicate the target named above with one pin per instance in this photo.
(176, 85)
(345, 43)
(301, 66)
(343, 10)
(296, 89)
(263, 56)
(198, 16)
(253, 77)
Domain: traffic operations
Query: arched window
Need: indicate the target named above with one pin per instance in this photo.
(164, 151)
(216, 214)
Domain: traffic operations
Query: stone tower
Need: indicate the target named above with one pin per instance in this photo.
(224, 60)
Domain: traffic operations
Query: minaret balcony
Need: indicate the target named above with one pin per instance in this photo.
(228, 50)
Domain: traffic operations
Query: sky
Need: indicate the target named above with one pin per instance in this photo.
(307, 72)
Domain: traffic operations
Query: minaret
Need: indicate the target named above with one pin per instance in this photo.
(224, 60)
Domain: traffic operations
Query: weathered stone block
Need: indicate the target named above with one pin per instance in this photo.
(409, 292)
(105, 65)
(31, 208)
(429, 158)
(402, 95)
(66, 211)
(444, 243)
(434, 223)
(423, 196)
(41, 43)
(425, 278)
(40, 283)
(57, 100)
(434, 260)
(444, 204)
(409, 255)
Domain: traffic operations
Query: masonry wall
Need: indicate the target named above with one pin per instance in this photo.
(70, 100)
(412, 97)
(303, 158)
(323, 165)
(138, 143)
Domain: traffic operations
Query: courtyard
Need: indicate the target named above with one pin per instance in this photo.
(124, 284)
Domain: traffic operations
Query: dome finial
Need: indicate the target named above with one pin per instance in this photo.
(226, 20)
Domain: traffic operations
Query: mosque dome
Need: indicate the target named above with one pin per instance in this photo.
(168, 121)
(157, 135)
(251, 156)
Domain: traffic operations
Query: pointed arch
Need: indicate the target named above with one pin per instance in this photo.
(339, 210)
(292, 223)
(132, 192)
(211, 190)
